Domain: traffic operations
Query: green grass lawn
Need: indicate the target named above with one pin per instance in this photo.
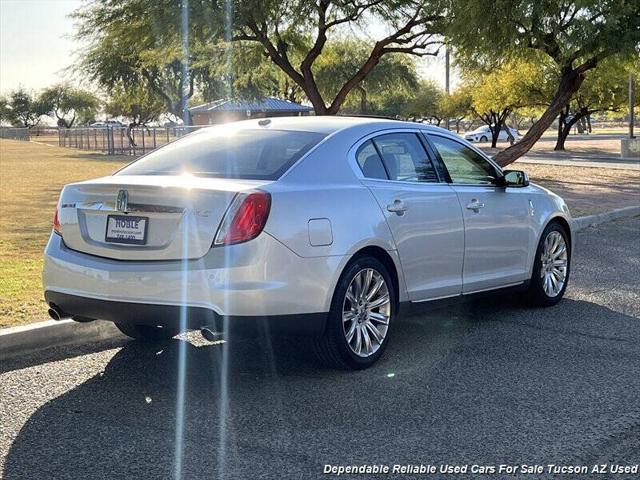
(31, 177)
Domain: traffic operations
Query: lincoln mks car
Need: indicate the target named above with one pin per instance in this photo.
(324, 227)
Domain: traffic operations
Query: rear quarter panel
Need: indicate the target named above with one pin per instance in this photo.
(324, 186)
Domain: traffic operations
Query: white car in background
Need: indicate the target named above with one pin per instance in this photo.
(483, 134)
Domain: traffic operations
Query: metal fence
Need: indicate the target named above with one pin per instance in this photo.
(15, 133)
(121, 140)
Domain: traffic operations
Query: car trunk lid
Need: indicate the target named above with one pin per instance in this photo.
(176, 216)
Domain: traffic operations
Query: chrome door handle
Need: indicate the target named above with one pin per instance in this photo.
(475, 205)
(398, 207)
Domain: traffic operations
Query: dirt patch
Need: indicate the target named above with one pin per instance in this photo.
(588, 190)
(581, 146)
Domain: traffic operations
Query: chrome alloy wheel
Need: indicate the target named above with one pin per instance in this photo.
(554, 263)
(366, 312)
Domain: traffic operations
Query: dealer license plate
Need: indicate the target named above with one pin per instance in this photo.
(127, 229)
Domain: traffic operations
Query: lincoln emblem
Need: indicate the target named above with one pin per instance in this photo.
(122, 202)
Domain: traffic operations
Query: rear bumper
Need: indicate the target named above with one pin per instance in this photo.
(183, 318)
(257, 279)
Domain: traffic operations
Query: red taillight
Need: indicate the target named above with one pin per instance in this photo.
(56, 222)
(245, 219)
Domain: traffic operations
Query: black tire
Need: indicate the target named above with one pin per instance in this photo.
(536, 293)
(147, 333)
(332, 348)
(483, 139)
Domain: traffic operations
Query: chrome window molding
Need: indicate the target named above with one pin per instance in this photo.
(353, 162)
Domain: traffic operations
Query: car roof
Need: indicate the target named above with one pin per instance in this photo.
(325, 124)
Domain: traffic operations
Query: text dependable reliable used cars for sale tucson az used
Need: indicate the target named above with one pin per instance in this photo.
(318, 226)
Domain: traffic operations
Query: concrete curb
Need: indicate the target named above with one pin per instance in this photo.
(580, 223)
(24, 339)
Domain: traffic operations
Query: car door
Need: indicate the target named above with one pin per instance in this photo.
(497, 220)
(422, 211)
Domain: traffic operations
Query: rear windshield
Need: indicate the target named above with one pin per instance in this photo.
(245, 154)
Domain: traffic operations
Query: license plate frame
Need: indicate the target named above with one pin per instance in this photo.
(134, 240)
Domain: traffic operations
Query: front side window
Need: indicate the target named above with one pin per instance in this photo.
(405, 158)
(464, 165)
(242, 154)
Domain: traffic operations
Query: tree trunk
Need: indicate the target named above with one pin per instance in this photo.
(569, 84)
(566, 130)
(495, 129)
(363, 99)
(589, 123)
(495, 133)
(563, 133)
(130, 127)
(583, 125)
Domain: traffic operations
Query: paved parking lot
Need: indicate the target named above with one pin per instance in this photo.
(490, 382)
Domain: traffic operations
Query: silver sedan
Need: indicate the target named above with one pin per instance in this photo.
(309, 226)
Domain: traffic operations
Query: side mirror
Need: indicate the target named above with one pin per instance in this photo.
(515, 178)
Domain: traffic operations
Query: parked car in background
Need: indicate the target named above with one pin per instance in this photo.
(483, 134)
(319, 226)
(107, 123)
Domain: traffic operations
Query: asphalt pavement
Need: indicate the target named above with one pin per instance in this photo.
(491, 382)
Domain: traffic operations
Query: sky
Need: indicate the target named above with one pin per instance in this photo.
(35, 42)
(36, 45)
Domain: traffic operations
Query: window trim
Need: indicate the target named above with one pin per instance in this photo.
(495, 166)
(351, 156)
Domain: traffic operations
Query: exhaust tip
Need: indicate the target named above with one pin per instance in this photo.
(209, 334)
(56, 313)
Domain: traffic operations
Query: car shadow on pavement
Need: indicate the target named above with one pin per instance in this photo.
(450, 387)
(55, 354)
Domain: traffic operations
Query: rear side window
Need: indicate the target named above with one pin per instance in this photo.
(405, 158)
(370, 162)
(243, 154)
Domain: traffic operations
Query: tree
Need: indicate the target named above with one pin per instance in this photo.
(527, 115)
(281, 28)
(394, 75)
(5, 110)
(68, 103)
(140, 42)
(139, 106)
(576, 35)
(496, 94)
(23, 109)
(605, 89)
(457, 105)
(427, 102)
(245, 74)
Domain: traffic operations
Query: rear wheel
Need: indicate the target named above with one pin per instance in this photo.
(361, 316)
(147, 333)
(551, 267)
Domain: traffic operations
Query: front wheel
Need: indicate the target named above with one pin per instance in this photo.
(362, 313)
(551, 267)
(483, 139)
(147, 333)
